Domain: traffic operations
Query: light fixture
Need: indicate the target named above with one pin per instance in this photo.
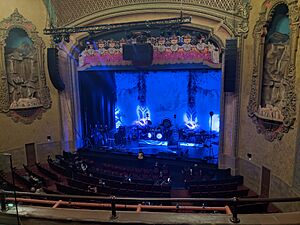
(67, 38)
(59, 32)
(57, 39)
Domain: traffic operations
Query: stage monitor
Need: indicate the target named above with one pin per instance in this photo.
(139, 54)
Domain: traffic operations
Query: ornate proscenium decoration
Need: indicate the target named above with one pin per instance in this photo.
(58, 33)
(272, 102)
(24, 94)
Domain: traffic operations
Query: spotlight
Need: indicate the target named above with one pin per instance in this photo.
(67, 38)
(57, 39)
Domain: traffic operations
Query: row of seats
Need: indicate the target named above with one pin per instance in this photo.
(134, 172)
(221, 194)
(214, 187)
(118, 191)
(7, 184)
(221, 180)
(124, 184)
(47, 173)
(110, 186)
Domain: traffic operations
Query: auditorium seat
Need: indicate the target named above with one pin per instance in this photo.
(46, 172)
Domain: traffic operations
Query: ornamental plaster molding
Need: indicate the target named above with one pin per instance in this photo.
(270, 126)
(24, 94)
(234, 13)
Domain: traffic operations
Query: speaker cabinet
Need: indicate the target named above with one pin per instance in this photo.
(230, 65)
(139, 54)
(142, 55)
(53, 69)
(127, 52)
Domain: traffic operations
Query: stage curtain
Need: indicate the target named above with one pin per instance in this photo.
(97, 99)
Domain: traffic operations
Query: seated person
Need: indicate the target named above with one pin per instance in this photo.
(92, 189)
(40, 191)
(49, 159)
(141, 155)
(34, 180)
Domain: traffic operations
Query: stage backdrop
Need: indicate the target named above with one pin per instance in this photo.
(157, 95)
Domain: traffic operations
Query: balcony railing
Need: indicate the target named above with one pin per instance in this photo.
(121, 203)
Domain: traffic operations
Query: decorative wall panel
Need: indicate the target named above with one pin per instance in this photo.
(24, 94)
(272, 103)
(166, 50)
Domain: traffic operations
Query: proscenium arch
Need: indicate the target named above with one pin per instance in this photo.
(229, 18)
(215, 26)
(200, 14)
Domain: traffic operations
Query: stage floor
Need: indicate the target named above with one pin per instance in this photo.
(205, 151)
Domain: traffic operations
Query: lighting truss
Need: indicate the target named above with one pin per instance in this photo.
(107, 27)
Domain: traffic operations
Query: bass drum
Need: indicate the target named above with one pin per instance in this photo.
(166, 123)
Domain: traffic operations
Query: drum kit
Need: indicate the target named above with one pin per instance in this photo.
(153, 133)
(165, 131)
(162, 132)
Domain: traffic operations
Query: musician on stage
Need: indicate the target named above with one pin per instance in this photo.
(141, 154)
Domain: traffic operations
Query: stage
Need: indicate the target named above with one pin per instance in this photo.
(172, 113)
(204, 151)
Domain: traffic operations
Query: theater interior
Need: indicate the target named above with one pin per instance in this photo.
(149, 112)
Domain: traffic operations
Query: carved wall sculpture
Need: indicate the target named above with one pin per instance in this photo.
(272, 102)
(24, 94)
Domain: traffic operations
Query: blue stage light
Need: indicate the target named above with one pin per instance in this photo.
(215, 123)
(143, 115)
(190, 121)
(166, 95)
(118, 117)
(159, 136)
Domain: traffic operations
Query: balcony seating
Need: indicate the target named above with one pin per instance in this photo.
(31, 172)
(46, 172)
(221, 194)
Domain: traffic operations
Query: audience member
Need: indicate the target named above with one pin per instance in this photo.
(141, 154)
(92, 189)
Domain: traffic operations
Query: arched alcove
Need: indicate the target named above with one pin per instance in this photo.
(23, 89)
(272, 103)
